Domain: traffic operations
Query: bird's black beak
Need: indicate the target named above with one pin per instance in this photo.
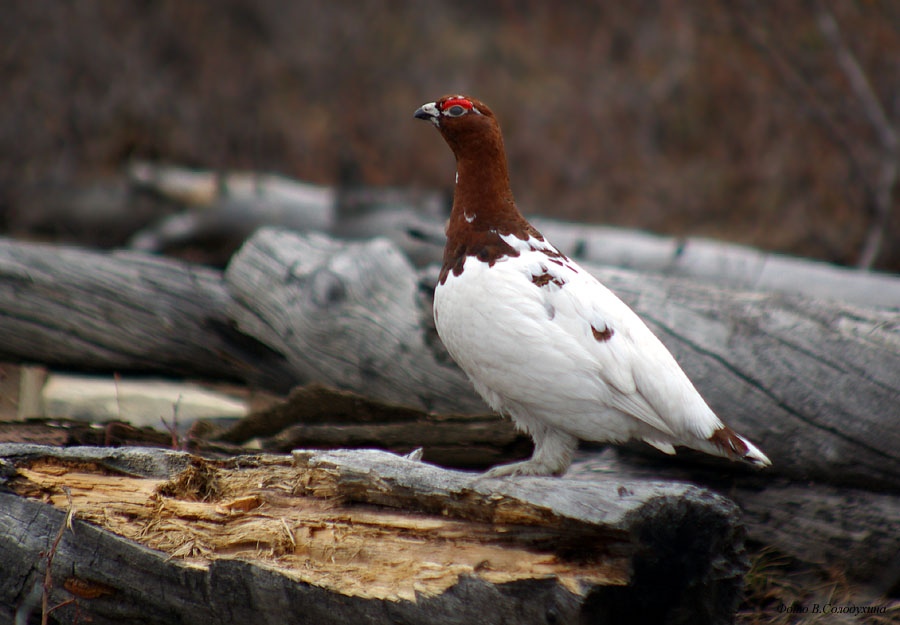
(428, 112)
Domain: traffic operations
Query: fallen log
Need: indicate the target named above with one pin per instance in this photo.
(816, 524)
(75, 433)
(346, 315)
(124, 311)
(813, 383)
(318, 417)
(721, 263)
(226, 207)
(852, 530)
(240, 202)
(69, 432)
(360, 536)
(230, 206)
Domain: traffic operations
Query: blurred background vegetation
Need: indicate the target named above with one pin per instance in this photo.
(736, 119)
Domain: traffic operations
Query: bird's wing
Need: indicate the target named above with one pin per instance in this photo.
(644, 379)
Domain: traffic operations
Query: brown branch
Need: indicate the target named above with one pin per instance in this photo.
(877, 186)
(859, 82)
(884, 131)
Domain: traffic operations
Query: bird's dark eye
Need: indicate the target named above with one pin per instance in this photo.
(455, 111)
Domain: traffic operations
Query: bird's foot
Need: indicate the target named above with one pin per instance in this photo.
(526, 467)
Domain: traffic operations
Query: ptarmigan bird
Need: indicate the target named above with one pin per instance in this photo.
(540, 338)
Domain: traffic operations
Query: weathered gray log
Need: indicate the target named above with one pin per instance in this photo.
(854, 530)
(420, 237)
(232, 205)
(814, 383)
(718, 262)
(124, 311)
(242, 202)
(679, 546)
(347, 315)
(318, 417)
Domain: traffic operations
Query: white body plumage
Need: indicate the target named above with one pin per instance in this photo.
(546, 343)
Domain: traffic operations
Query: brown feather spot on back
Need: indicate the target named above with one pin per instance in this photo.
(602, 335)
(549, 253)
(728, 441)
(546, 278)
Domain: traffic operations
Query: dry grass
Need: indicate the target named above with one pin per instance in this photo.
(781, 591)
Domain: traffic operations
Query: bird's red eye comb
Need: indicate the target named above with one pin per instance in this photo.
(466, 104)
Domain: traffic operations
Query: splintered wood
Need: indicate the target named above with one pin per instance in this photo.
(291, 519)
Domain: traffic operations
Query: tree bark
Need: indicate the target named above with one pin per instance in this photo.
(355, 536)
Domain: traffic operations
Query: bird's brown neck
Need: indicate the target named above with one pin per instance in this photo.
(483, 204)
(482, 199)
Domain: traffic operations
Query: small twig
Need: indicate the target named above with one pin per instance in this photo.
(290, 534)
(877, 187)
(62, 605)
(116, 378)
(173, 428)
(107, 431)
(794, 80)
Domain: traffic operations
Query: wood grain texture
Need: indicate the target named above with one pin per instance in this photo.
(814, 384)
(123, 311)
(721, 263)
(347, 315)
(650, 531)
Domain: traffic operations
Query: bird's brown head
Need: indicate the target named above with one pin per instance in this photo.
(466, 124)
(483, 206)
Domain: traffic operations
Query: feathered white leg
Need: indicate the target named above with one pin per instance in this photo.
(552, 455)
